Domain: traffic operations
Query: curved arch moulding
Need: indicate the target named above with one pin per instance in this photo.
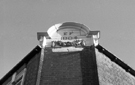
(68, 37)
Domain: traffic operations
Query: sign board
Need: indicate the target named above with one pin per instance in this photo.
(68, 37)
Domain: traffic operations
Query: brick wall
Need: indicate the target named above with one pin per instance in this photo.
(89, 67)
(61, 69)
(110, 73)
(32, 69)
(74, 68)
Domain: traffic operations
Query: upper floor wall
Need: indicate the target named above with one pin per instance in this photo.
(111, 73)
(25, 72)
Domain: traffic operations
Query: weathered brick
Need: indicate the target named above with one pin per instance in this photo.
(71, 68)
(61, 69)
(32, 70)
(110, 73)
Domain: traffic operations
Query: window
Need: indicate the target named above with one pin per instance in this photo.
(19, 81)
(19, 78)
(9, 83)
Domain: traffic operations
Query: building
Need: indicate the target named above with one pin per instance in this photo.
(88, 64)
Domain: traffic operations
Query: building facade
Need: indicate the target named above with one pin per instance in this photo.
(92, 65)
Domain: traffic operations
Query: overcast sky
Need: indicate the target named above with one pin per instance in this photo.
(20, 20)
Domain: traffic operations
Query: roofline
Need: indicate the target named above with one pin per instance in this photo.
(25, 60)
(37, 49)
(116, 60)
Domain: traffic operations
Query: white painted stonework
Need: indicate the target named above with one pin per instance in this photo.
(70, 32)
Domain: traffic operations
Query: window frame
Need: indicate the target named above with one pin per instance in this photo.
(20, 77)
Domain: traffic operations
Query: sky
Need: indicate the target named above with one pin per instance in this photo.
(20, 20)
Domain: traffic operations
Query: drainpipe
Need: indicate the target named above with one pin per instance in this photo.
(42, 44)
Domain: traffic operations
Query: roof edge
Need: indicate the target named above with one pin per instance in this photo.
(116, 60)
(26, 59)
